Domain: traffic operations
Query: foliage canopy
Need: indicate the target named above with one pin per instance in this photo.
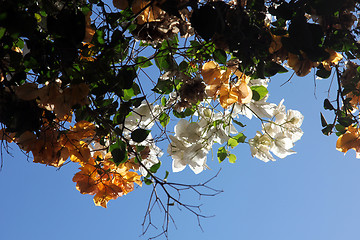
(101, 84)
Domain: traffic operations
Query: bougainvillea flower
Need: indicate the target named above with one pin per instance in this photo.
(89, 31)
(349, 140)
(105, 180)
(218, 84)
(300, 64)
(121, 4)
(332, 60)
(241, 88)
(211, 73)
(227, 96)
(150, 14)
(275, 44)
(46, 148)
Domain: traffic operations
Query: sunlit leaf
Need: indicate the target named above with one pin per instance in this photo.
(232, 158)
(222, 154)
(259, 92)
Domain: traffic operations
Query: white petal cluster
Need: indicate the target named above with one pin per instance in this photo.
(187, 148)
(278, 135)
(193, 140)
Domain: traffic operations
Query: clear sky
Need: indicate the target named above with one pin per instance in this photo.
(312, 195)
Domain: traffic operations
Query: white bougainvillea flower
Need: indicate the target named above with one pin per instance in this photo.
(260, 109)
(260, 147)
(152, 158)
(278, 135)
(289, 122)
(143, 116)
(219, 132)
(281, 146)
(188, 131)
(182, 154)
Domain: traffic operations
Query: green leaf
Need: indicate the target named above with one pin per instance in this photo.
(259, 92)
(128, 94)
(163, 101)
(183, 66)
(240, 138)
(143, 62)
(155, 167)
(119, 152)
(328, 105)
(232, 158)
(186, 113)
(119, 156)
(234, 141)
(166, 175)
(328, 129)
(164, 61)
(139, 135)
(139, 148)
(323, 120)
(2, 32)
(164, 119)
(273, 68)
(222, 154)
(239, 123)
(219, 56)
(148, 181)
(340, 128)
(345, 120)
(163, 86)
(125, 77)
(99, 37)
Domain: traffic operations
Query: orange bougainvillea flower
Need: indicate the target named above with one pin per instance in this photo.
(150, 14)
(45, 147)
(87, 53)
(73, 140)
(227, 96)
(211, 73)
(242, 89)
(53, 98)
(121, 4)
(302, 65)
(53, 147)
(77, 94)
(349, 140)
(276, 44)
(332, 60)
(89, 31)
(105, 180)
(27, 91)
(217, 84)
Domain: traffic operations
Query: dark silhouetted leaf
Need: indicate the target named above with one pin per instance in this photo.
(139, 135)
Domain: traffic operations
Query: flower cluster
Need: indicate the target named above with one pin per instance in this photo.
(193, 140)
(278, 135)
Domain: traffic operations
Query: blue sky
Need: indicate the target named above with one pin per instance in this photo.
(311, 195)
